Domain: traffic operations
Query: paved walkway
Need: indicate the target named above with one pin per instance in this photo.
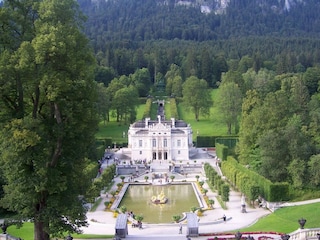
(103, 222)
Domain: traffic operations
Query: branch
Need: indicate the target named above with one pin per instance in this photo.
(58, 149)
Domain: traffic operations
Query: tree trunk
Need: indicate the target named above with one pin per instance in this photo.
(229, 128)
(39, 233)
(197, 116)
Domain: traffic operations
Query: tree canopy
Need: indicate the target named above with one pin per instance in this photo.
(196, 96)
(48, 114)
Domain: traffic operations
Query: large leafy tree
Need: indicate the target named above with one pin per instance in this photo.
(103, 104)
(47, 116)
(229, 103)
(173, 73)
(196, 96)
(142, 81)
(124, 104)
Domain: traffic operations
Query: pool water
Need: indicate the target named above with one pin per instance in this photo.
(181, 198)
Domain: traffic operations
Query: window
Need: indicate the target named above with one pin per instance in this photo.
(140, 152)
(165, 143)
(179, 143)
(154, 142)
(140, 143)
(178, 151)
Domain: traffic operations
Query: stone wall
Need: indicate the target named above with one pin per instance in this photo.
(8, 237)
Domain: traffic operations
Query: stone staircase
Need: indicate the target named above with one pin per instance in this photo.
(159, 166)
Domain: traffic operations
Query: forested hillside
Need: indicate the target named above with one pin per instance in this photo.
(264, 60)
(142, 20)
(128, 35)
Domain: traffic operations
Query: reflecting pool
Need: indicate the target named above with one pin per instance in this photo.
(181, 197)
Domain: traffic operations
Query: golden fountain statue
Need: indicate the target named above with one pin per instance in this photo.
(160, 199)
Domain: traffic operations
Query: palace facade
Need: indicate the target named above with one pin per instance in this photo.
(160, 139)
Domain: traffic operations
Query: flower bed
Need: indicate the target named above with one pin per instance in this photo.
(225, 236)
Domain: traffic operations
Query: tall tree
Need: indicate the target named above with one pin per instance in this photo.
(103, 103)
(196, 96)
(141, 79)
(314, 170)
(229, 103)
(314, 115)
(250, 128)
(206, 67)
(312, 79)
(172, 78)
(177, 86)
(50, 116)
(219, 66)
(124, 104)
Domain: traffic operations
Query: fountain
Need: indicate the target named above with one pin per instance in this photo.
(160, 199)
(180, 198)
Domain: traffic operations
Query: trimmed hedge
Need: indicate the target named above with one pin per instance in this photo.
(206, 141)
(212, 141)
(174, 108)
(222, 151)
(147, 109)
(230, 142)
(252, 184)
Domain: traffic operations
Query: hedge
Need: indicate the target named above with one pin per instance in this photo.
(252, 184)
(212, 141)
(222, 151)
(147, 109)
(174, 108)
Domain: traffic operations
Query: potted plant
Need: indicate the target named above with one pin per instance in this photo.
(211, 202)
(172, 177)
(122, 178)
(204, 191)
(176, 218)
(146, 178)
(193, 209)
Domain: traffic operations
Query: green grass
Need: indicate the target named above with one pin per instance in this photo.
(285, 220)
(206, 126)
(26, 233)
(113, 130)
(140, 111)
(212, 125)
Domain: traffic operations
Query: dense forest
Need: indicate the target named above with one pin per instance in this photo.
(264, 62)
(128, 35)
(153, 20)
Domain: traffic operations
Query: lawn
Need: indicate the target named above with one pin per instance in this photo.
(206, 126)
(26, 233)
(211, 125)
(115, 130)
(285, 220)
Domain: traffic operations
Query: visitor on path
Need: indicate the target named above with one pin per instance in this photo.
(224, 218)
(69, 237)
(180, 228)
(140, 224)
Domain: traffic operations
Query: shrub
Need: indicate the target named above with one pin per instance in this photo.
(176, 218)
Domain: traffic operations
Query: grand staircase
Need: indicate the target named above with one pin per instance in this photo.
(159, 166)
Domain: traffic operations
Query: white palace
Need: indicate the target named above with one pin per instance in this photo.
(160, 139)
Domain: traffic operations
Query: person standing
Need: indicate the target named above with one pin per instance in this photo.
(180, 228)
(224, 218)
